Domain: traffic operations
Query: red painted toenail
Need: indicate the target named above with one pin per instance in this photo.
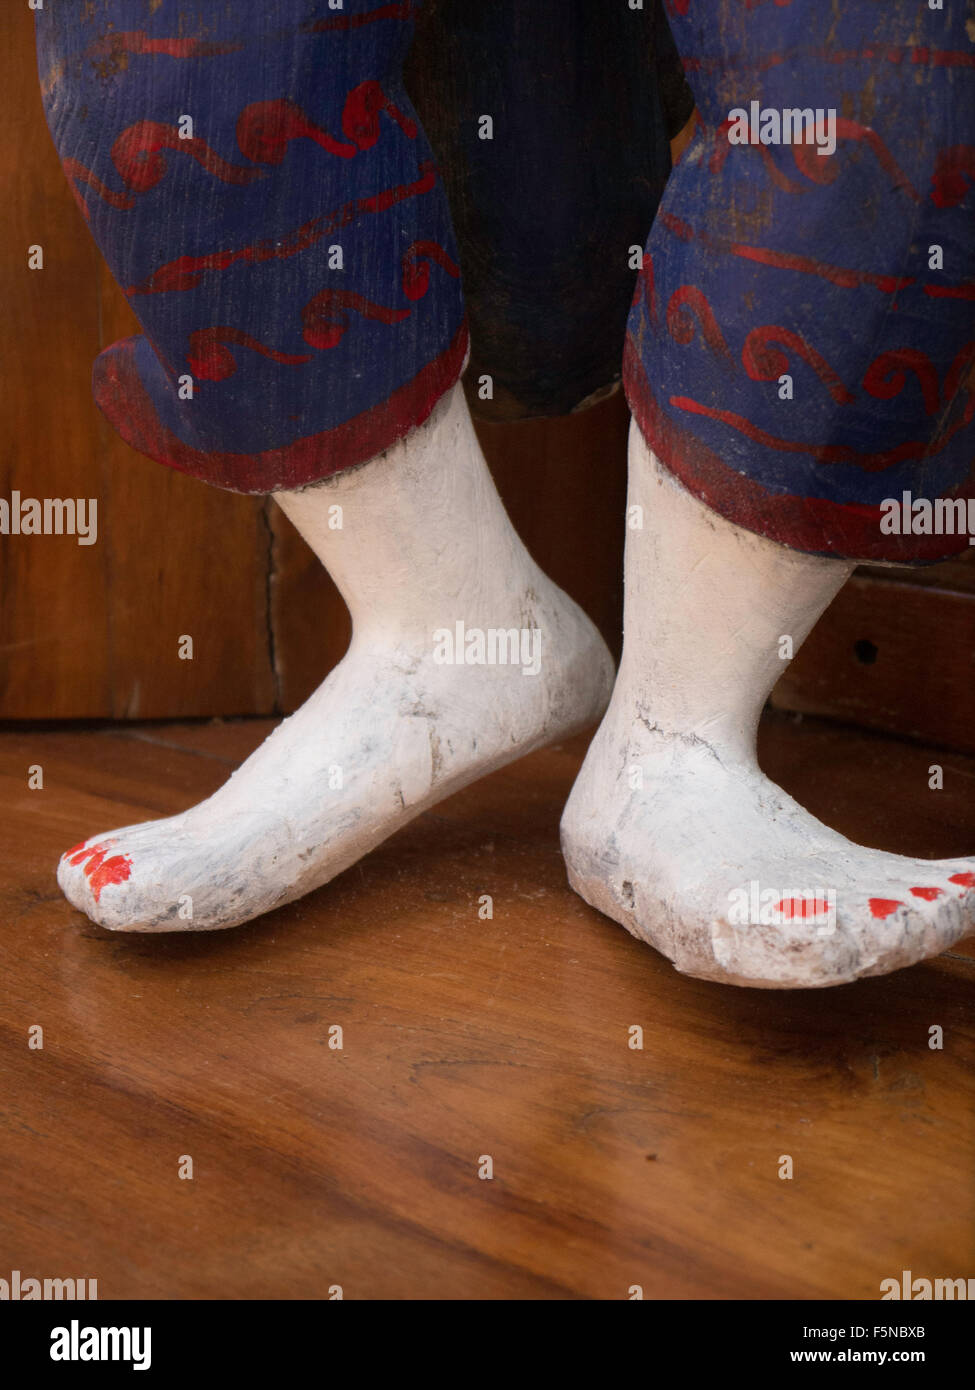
(802, 907)
(86, 852)
(883, 907)
(94, 859)
(114, 870)
(966, 880)
(928, 894)
(101, 871)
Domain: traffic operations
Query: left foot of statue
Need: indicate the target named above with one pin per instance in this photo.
(674, 831)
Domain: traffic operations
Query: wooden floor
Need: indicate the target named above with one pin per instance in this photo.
(315, 1167)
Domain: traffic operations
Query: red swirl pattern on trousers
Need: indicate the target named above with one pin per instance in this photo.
(887, 375)
(121, 395)
(842, 276)
(829, 453)
(75, 171)
(763, 362)
(264, 130)
(324, 319)
(137, 156)
(686, 305)
(764, 359)
(416, 263)
(817, 168)
(954, 172)
(185, 272)
(210, 359)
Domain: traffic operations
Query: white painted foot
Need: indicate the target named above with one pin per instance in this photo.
(673, 830)
(424, 544)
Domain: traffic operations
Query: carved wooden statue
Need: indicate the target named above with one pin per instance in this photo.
(799, 351)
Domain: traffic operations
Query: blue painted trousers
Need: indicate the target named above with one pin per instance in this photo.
(800, 345)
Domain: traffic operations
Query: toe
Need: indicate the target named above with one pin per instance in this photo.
(88, 870)
(905, 921)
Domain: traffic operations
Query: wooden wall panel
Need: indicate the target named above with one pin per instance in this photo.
(895, 652)
(563, 482)
(185, 558)
(91, 631)
(53, 622)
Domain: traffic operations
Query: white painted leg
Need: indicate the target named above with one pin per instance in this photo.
(671, 827)
(424, 544)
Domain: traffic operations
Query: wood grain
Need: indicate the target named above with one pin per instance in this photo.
(92, 631)
(563, 482)
(462, 1037)
(895, 651)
